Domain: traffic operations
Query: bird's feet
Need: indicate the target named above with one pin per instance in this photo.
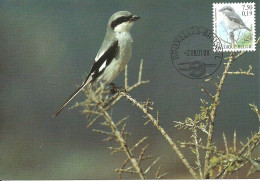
(115, 88)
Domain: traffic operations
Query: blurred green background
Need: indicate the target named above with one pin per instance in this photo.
(47, 47)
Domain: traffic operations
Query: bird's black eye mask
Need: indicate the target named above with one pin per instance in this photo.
(120, 20)
(229, 9)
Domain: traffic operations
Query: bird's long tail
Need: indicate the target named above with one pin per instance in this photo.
(247, 28)
(70, 98)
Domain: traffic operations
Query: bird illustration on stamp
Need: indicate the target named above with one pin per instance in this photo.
(234, 24)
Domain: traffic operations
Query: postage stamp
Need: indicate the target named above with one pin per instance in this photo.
(193, 55)
(234, 24)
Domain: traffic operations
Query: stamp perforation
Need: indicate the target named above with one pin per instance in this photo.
(215, 8)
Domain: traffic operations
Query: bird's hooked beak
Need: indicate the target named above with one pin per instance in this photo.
(134, 18)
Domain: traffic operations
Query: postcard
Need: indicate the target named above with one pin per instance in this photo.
(108, 90)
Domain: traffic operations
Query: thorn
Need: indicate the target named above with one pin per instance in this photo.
(103, 132)
(149, 168)
(122, 120)
(206, 92)
(225, 141)
(141, 154)
(139, 143)
(147, 122)
(123, 129)
(157, 117)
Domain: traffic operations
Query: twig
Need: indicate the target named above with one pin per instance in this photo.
(149, 168)
(213, 149)
(255, 109)
(238, 36)
(103, 132)
(241, 73)
(140, 71)
(235, 141)
(232, 38)
(138, 143)
(141, 154)
(158, 175)
(195, 137)
(126, 81)
(126, 170)
(189, 125)
(224, 40)
(206, 92)
(121, 121)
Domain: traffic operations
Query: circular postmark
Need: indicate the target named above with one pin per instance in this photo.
(196, 52)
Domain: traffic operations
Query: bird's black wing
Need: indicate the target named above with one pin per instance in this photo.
(235, 18)
(103, 61)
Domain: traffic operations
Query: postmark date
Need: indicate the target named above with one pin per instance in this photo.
(195, 53)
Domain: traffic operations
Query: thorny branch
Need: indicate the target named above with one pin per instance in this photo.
(232, 57)
(123, 144)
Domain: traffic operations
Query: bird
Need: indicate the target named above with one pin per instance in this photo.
(232, 20)
(113, 55)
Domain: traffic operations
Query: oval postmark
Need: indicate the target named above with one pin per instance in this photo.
(196, 52)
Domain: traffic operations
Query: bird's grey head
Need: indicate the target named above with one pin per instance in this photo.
(227, 9)
(121, 21)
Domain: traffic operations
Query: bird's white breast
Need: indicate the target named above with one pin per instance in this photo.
(230, 24)
(118, 64)
(125, 47)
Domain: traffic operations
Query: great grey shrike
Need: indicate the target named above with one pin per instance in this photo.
(114, 53)
(232, 20)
